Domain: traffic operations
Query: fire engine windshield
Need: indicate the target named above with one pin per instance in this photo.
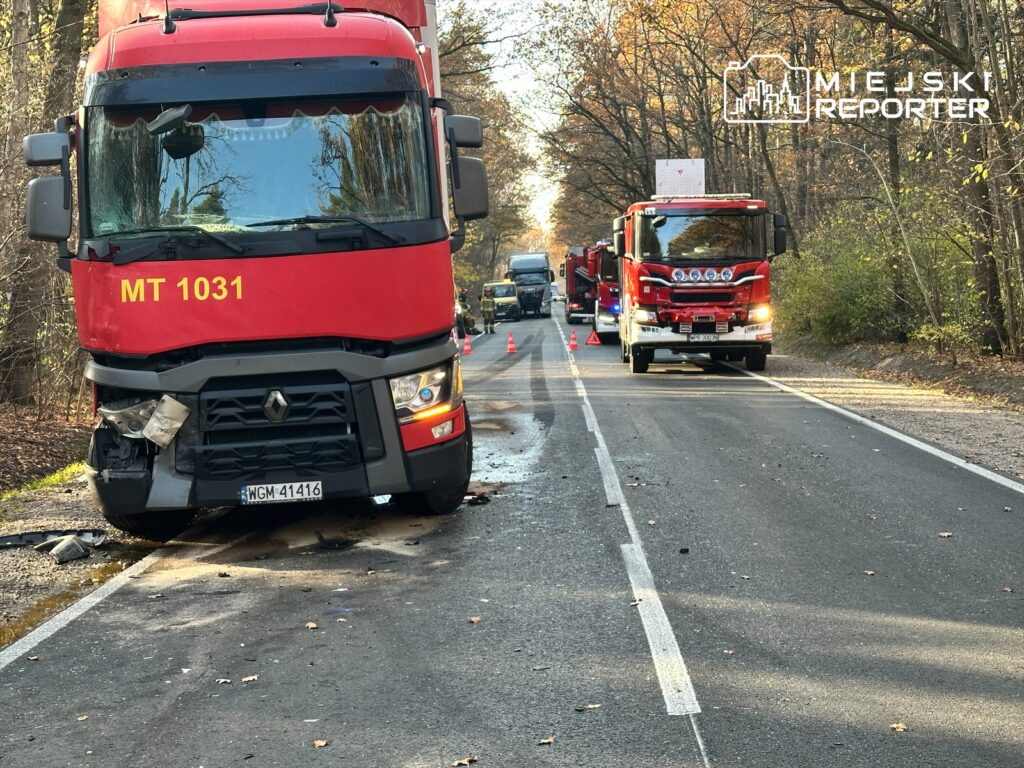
(230, 167)
(704, 238)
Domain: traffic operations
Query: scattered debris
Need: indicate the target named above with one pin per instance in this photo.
(223, 681)
(585, 707)
(1005, 589)
(464, 761)
(652, 522)
(80, 718)
(473, 619)
(899, 727)
(869, 573)
(320, 743)
(872, 516)
(945, 534)
(36, 658)
(745, 578)
(326, 543)
(250, 678)
(684, 551)
(311, 625)
(64, 549)
(92, 537)
(1007, 509)
(547, 741)
(636, 602)
(157, 596)
(729, 652)
(223, 575)
(476, 499)
(413, 543)
(306, 589)
(540, 669)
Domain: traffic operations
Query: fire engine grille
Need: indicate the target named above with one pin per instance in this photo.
(682, 297)
(238, 439)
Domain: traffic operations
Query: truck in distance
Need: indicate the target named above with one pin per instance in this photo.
(248, 171)
(532, 273)
(696, 275)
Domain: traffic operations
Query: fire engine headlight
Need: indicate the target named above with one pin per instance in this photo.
(761, 314)
(727, 274)
(645, 315)
(711, 274)
(427, 393)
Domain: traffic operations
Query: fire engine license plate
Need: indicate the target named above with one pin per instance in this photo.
(275, 493)
(703, 337)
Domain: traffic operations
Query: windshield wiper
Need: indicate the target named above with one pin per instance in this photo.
(328, 220)
(134, 254)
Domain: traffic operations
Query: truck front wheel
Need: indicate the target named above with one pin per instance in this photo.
(757, 360)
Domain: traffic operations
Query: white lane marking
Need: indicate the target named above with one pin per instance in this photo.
(1006, 482)
(47, 629)
(676, 685)
(700, 741)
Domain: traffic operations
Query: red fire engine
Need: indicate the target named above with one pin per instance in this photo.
(251, 175)
(696, 278)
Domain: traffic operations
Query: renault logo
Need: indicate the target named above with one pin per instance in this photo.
(276, 405)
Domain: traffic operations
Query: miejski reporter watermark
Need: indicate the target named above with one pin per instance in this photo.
(767, 89)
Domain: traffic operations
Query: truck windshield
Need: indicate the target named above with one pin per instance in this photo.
(704, 238)
(532, 278)
(231, 166)
(504, 291)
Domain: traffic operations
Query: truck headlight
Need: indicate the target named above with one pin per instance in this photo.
(761, 314)
(645, 315)
(427, 393)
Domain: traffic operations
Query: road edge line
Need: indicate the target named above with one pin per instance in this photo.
(976, 469)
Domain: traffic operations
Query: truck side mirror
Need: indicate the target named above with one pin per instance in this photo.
(780, 225)
(551, 276)
(619, 243)
(470, 189)
(619, 224)
(561, 270)
(464, 131)
(48, 209)
(46, 149)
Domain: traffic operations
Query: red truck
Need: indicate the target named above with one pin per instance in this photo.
(253, 178)
(607, 303)
(696, 275)
(580, 286)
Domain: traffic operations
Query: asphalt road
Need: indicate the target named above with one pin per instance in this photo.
(759, 640)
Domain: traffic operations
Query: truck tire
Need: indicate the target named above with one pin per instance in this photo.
(155, 526)
(757, 360)
(717, 356)
(443, 501)
(735, 357)
(640, 360)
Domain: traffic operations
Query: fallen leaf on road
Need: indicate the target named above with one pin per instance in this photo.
(223, 681)
(464, 761)
(250, 678)
(585, 707)
(898, 727)
(869, 573)
(545, 742)
(1007, 589)
(473, 619)
(311, 625)
(318, 743)
(945, 534)
(82, 717)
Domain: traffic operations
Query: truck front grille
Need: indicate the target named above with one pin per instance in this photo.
(695, 297)
(238, 439)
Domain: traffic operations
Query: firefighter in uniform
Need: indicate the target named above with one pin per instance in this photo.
(487, 309)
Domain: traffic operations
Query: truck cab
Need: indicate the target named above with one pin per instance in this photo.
(531, 272)
(607, 304)
(247, 171)
(695, 278)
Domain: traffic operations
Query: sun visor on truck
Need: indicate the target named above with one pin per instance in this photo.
(241, 80)
(118, 13)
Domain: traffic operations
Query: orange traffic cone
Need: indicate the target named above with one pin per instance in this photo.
(466, 348)
(573, 346)
(593, 339)
(511, 344)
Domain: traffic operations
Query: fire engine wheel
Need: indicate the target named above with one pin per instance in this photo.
(444, 501)
(640, 360)
(757, 360)
(155, 526)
